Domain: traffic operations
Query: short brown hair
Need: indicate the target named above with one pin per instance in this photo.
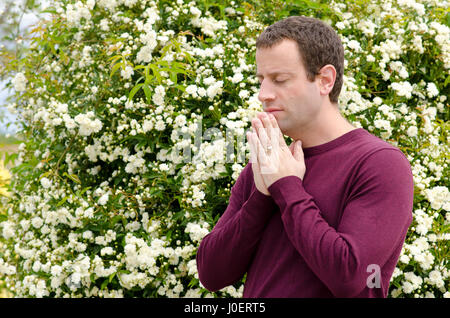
(318, 44)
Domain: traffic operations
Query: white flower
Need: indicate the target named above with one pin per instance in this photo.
(127, 72)
(209, 26)
(244, 94)
(340, 25)
(46, 183)
(37, 222)
(218, 63)
(354, 45)
(195, 11)
(438, 196)
(87, 126)
(407, 287)
(19, 81)
(106, 251)
(160, 125)
(368, 27)
(435, 278)
(377, 101)
(402, 89)
(158, 95)
(424, 222)
(8, 229)
(412, 131)
(192, 90)
(56, 270)
(75, 12)
(104, 25)
(196, 232)
(432, 90)
(147, 125)
(163, 167)
(214, 89)
(103, 199)
(237, 78)
(145, 54)
(180, 120)
(370, 58)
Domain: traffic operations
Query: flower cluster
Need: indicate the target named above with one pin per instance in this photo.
(135, 112)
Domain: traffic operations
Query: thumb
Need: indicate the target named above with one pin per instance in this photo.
(298, 151)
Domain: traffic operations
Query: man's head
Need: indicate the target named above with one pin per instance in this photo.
(317, 42)
(299, 63)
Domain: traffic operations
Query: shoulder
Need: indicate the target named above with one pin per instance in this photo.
(380, 163)
(385, 169)
(378, 152)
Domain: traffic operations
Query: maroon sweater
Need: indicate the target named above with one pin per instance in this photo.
(317, 237)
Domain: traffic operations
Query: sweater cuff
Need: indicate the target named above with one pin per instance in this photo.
(286, 190)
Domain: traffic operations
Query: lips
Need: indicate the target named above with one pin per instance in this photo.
(272, 109)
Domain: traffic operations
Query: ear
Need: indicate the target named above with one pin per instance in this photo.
(327, 77)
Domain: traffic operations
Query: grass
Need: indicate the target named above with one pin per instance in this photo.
(8, 145)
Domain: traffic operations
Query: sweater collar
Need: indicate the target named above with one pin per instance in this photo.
(352, 134)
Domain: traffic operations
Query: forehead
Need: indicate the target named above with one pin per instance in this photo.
(283, 57)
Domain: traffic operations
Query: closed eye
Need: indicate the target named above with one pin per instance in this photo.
(279, 81)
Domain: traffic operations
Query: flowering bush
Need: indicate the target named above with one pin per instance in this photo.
(134, 115)
(5, 177)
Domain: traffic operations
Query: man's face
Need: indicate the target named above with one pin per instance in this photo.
(284, 86)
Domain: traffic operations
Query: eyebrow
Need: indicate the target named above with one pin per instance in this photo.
(275, 73)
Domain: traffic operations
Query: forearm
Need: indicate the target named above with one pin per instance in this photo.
(224, 254)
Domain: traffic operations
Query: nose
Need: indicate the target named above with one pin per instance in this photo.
(266, 92)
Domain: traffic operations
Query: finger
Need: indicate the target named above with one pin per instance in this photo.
(253, 150)
(254, 158)
(279, 135)
(291, 147)
(266, 166)
(273, 121)
(262, 133)
(270, 127)
(259, 148)
(298, 151)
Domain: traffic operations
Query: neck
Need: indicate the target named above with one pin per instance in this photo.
(328, 125)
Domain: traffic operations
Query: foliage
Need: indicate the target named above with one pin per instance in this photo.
(102, 199)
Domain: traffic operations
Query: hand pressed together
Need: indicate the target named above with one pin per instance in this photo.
(271, 158)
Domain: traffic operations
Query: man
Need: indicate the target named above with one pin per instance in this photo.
(325, 220)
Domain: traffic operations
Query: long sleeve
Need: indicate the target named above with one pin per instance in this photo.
(225, 253)
(376, 216)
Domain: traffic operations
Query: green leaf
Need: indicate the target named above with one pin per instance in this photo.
(72, 177)
(115, 68)
(104, 284)
(62, 201)
(111, 277)
(135, 90)
(148, 93)
(156, 73)
(174, 77)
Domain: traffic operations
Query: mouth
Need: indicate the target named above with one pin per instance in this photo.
(272, 110)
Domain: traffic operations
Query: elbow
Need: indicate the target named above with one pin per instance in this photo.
(347, 289)
(354, 283)
(208, 277)
(209, 283)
